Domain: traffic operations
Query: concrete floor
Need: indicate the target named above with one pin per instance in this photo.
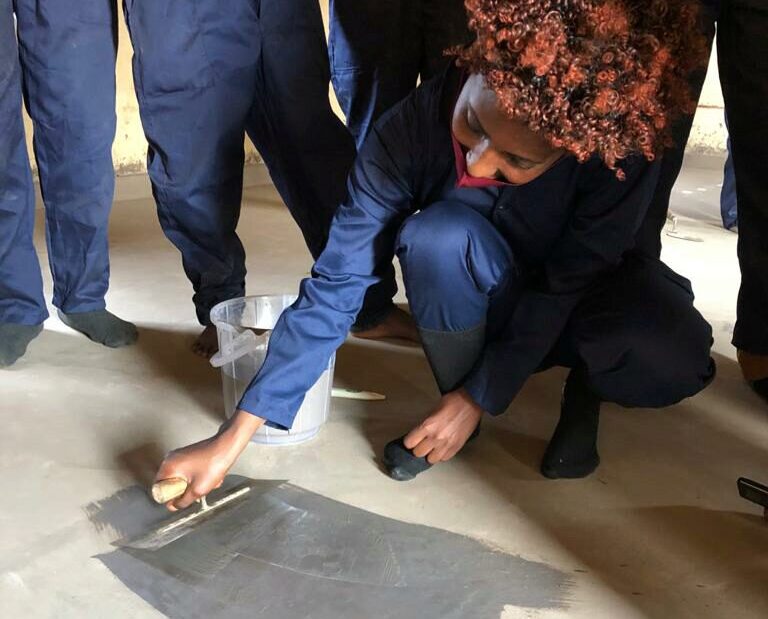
(658, 531)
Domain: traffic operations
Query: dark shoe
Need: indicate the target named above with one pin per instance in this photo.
(755, 370)
(760, 387)
(402, 465)
(572, 451)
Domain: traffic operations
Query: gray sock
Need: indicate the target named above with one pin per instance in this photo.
(102, 327)
(14, 340)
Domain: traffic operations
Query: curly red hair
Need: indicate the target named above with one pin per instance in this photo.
(601, 77)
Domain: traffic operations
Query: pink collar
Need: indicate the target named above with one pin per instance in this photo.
(463, 179)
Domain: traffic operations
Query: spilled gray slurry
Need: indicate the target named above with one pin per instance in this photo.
(286, 553)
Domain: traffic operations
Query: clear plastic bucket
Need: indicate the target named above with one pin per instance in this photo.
(244, 326)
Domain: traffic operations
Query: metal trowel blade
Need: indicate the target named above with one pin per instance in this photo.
(188, 520)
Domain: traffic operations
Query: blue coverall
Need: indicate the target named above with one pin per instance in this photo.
(206, 72)
(546, 268)
(380, 48)
(729, 211)
(61, 58)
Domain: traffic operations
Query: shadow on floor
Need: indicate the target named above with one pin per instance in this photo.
(671, 560)
(670, 555)
(731, 388)
(141, 462)
(172, 360)
(663, 555)
(666, 554)
(403, 375)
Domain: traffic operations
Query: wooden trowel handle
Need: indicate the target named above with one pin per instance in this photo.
(168, 489)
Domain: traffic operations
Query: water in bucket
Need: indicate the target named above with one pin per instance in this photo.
(243, 326)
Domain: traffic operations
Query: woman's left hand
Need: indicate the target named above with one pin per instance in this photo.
(441, 435)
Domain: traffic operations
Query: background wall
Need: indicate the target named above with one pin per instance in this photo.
(709, 134)
(129, 150)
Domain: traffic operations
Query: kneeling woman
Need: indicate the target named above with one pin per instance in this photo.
(510, 188)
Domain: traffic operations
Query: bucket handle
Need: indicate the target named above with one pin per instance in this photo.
(243, 344)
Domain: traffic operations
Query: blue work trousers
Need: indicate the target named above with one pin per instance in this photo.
(380, 48)
(728, 202)
(636, 332)
(206, 73)
(58, 57)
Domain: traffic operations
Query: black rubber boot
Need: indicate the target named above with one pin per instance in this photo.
(572, 451)
(760, 387)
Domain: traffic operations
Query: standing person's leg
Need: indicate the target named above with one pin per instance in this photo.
(375, 51)
(728, 204)
(22, 306)
(68, 53)
(194, 68)
(306, 147)
(743, 58)
(444, 24)
(380, 48)
(635, 340)
(648, 239)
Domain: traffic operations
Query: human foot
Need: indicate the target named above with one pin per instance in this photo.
(760, 387)
(437, 439)
(207, 343)
(755, 370)
(14, 340)
(572, 451)
(102, 327)
(398, 324)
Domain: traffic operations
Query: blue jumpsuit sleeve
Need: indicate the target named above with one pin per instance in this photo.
(362, 238)
(602, 228)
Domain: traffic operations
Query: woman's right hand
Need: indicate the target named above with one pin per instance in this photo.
(204, 465)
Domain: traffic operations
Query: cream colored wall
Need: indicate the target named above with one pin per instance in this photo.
(708, 134)
(129, 150)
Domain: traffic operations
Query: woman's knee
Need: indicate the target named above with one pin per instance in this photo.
(437, 231)
(448, 237)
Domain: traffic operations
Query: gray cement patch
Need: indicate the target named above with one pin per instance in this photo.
(286, 553)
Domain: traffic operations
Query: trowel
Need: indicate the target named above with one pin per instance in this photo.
(754, 492)
(207, 508)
